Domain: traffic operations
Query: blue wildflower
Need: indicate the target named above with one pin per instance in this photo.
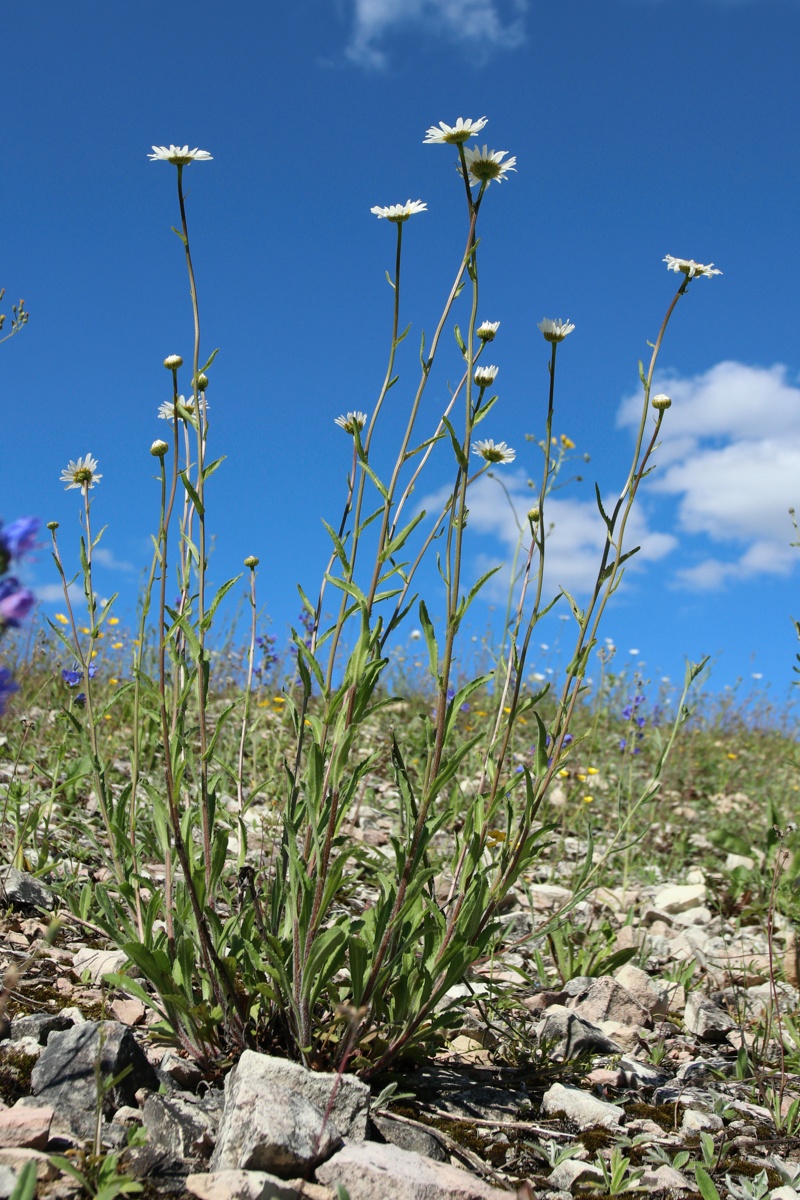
(75, 676)
(19, 538)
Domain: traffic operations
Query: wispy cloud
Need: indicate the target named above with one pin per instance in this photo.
(107, 558)
(575, 541)
(53, 593)
(730, 455)
(482, 24)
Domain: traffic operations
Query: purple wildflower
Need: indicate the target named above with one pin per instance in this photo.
(15, 601)
(7, 686)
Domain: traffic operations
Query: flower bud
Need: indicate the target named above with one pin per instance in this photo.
(251, 561)
(487, 330)
(200, 382)
(52, 526)
(159, 448)
(661, 402)
(173, 361)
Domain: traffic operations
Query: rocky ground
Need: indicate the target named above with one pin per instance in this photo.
(662, 1077)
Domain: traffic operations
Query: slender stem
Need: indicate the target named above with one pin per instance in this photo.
(202, 422)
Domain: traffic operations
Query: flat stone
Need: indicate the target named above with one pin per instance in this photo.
(664, 1178)
(371, 1171)
(183, 1130)
(572, 1171)
(679, 897)
(707, 1020)
(240, 1185)
(65, 1076)
(272, 1128)
(410, 1137)
(26, 1127)
(18, 1157)
(650, 993)
(345, 1096)
(39, 1026)
(97, 963)
(700, 1122)
(572, 1035)
(608, 1000)
(129, 1011)
(23, 891)
(584, 1110)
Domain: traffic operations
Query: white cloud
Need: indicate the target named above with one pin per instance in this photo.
(52, 593)
(107, 558)
(730, 455)
(573, 547)
(478, 23)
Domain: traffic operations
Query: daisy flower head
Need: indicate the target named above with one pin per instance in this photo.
(484, 165)
(486, 332)
(178, 408)
(689, 267)
(555, 331)
(485, 376)
(179, 155)
(500, 453)
(352, 422)
(81, 474)
(454, 135)
(399, 212)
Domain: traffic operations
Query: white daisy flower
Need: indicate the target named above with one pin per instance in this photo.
(462, 131)
(485, 376)
(81, 474)
(555, 331)
(484, 165)
(352, 422)
(487, 330)
(171, 408)
(689, 267)
(399, 212)
(500, 453)
(179, 155)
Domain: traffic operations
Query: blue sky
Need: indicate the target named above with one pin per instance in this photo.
(640, 128)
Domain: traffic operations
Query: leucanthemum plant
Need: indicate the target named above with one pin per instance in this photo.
(254, 945)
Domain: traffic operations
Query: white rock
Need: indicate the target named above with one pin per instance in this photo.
(564, 1177)
(678, 897)
(240, 1185)
(97, 963)
(696, 1122)
(733, 861)
(651, 993)
(373, 1171)
(585, 1110)
(274, 1129)
(26, 1127)
(662, 1178)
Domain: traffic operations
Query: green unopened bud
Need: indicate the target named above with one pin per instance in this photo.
(159, 448)
(251, 561)
(534, 514)
(661, 402)
(52, 526)
(201, 382)
(173, 361)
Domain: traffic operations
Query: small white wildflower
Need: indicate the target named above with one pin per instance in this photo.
(81, 474)
(352, 422)
(399, 212)
(485, 376)
(661, 402)
(486, 332)
(689, 267)
(555, 330)
(179, 155)
(486, 165)
(500, 453)
(462, 131)
(415, 635)
(172, 408)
